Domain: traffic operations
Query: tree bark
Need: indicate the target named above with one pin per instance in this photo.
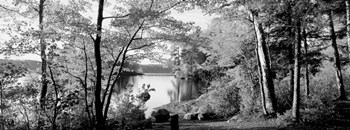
(43, 55)
(269, 93)
(337, 64)
(307, 82)
(296, 93)
(262, 95)
(100, 121)
(43, 63)
(291, 58)
(347, 4)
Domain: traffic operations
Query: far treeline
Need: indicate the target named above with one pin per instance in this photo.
(283, 59)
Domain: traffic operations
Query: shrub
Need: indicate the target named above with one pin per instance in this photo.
(130, 107)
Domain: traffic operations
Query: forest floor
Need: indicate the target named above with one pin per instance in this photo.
(340, 120)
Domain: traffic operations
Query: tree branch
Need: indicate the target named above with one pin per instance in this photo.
(121, 68)
(93, 39)
(56, 96)
(85, 83)
(110, 75)
(117, 17)
(140, 47)
(172, 6)
(12, 10)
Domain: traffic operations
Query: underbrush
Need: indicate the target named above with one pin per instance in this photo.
(316, 109)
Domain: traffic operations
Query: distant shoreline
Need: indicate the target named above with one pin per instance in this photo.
(159, 74)
(147, 74)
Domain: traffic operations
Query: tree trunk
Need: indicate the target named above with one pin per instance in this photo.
(347, 3)
(269, 93)
(291, 58)
(337, 64)
(100, 122)
(42, 54)
(1, 108)
(262, 95)
(43, 63)
(296, 93)
(307, 82)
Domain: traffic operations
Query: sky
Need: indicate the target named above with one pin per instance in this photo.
(200, 19)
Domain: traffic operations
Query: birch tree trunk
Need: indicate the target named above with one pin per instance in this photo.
(262, 95)
(337, 64)
(267, 82)
(296, 93)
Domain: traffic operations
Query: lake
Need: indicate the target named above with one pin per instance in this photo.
(168, 88)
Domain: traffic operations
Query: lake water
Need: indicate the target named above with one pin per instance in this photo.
(168, 89)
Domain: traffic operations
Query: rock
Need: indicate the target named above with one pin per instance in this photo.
(162, 115)
(190, 116)
(205, 116)
(234, 118)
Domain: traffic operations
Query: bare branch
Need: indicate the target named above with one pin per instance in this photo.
(117, 17)
(93, 39)
(121, 67)
(140, 47)
(85, 83)
(174, 5)
(150, 7)
(12, 10)
(110, 75)
(56, 95)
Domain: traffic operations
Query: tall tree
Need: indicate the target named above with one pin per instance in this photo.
(347, 4)
(296, 92)
(251, 10)
(42, 54)
(307, 81)
(97, 52)
(337, 64)
(265, 69)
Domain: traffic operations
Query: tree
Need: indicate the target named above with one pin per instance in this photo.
(329, 8)
(296, 91)
(347, 4)
(267, 83)
(307, 81)
(250, 10)
(9, 75)
(337, 64)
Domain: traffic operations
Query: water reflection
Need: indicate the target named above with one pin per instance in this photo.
(168, 88)
(183, 90)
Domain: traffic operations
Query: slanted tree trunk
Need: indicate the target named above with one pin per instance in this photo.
(307, 82)
(296, 93)
(347, 4)
(268, 88)
(337, 64)
(262, 95)
(100, 122)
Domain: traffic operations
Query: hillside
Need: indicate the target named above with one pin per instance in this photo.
(155, 68)
(33, 65)
(29, 64)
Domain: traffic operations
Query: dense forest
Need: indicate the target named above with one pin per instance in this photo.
(280, 62)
